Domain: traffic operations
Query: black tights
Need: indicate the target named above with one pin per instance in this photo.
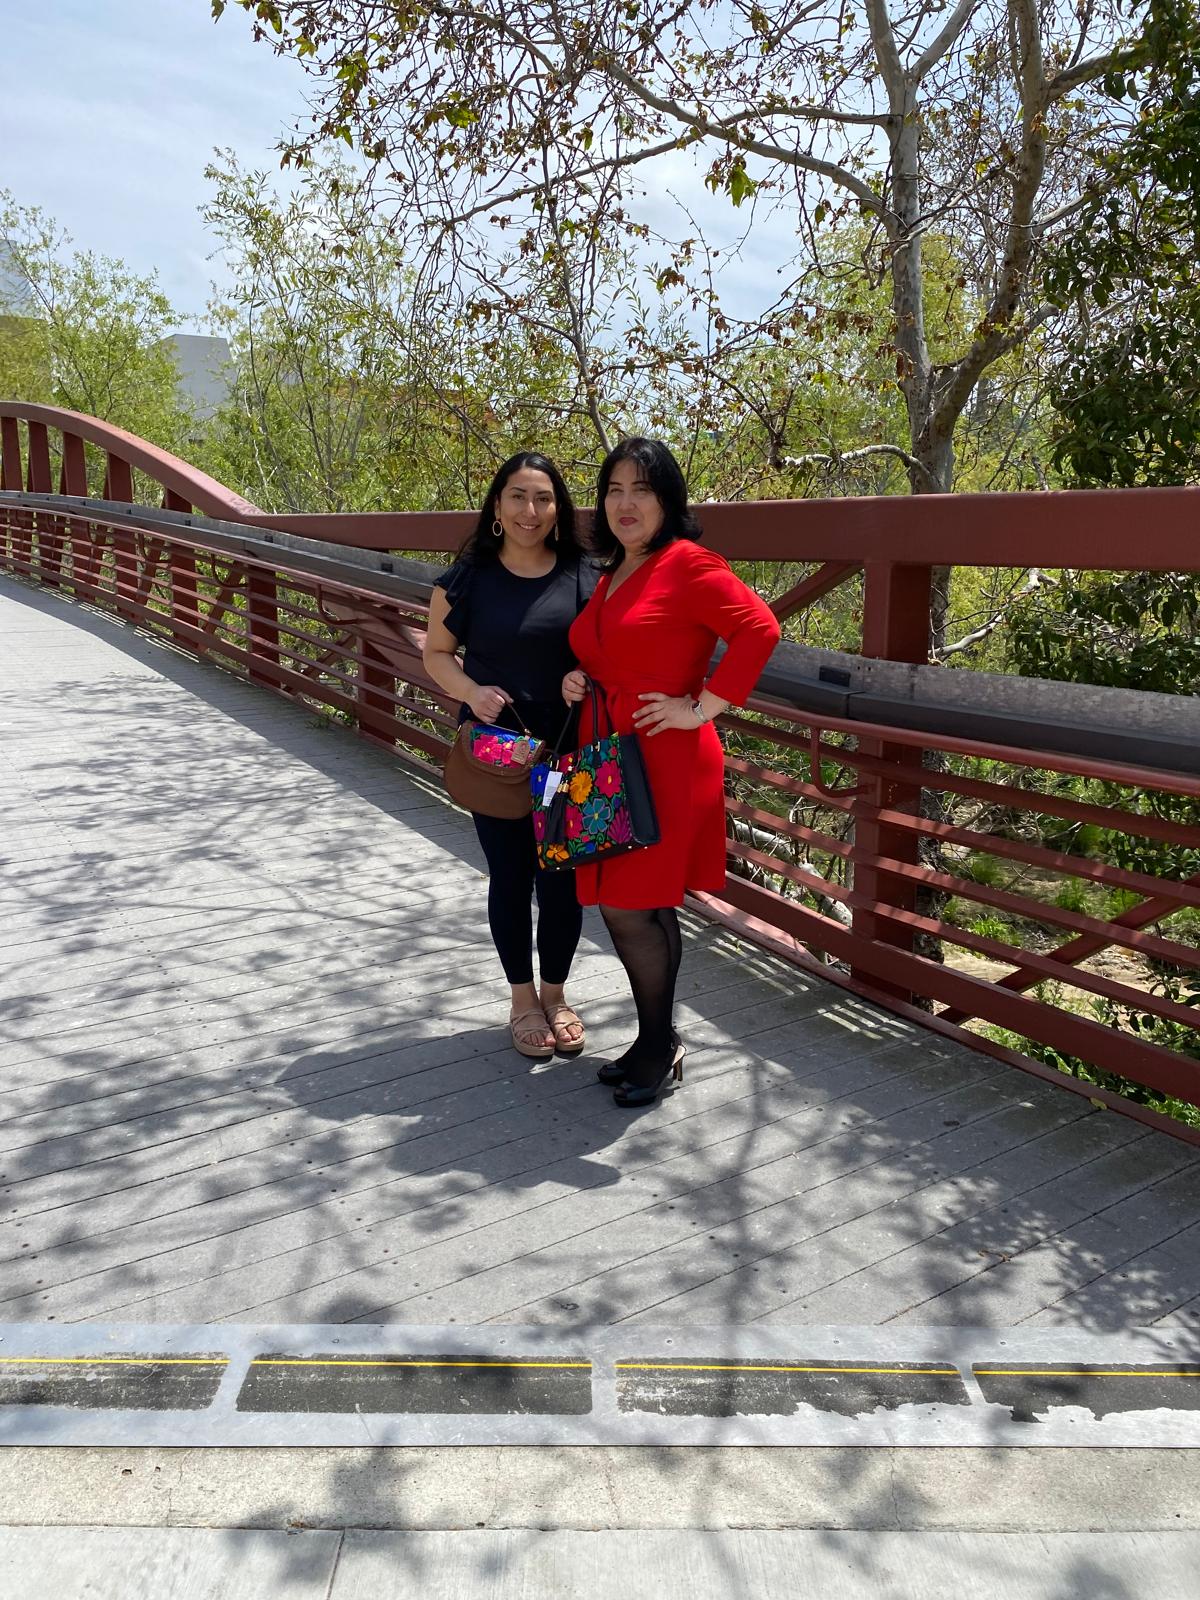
(515, 878)
(649, 947)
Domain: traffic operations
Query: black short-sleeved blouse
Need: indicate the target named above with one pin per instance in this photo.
(514, 632)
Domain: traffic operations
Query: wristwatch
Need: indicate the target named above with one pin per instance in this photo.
(698, 711)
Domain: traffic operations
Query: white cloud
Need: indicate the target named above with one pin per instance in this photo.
(111, 111)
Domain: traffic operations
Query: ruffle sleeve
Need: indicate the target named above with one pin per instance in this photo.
(456, 581)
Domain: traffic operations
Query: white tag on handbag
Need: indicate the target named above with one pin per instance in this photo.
(553, 783)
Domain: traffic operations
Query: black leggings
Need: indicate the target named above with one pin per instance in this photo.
(515, 877)
(649, 947)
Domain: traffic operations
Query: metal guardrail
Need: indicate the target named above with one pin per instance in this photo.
(401, 578)
(844, 818)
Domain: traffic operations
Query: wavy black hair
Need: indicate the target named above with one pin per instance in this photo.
(480, 545)
(665, 476)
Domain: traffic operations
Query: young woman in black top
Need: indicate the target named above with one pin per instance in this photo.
(507, 604)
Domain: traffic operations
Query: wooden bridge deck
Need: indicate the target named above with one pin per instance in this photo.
(252, 1067)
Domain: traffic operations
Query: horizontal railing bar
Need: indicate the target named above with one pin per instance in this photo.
(787, 829)
(1121, 1053)
(1084, 528)
(1007, 795)
(1183, 893)
(1038, 911)
(202, 533)
(924, 739)
(1036, 856)
(1050, 756)
(1073, 977)
(791, 870)
(784, 781)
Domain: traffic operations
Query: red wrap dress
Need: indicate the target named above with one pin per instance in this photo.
(658, 632)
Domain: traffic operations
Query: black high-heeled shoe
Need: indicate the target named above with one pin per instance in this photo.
(614, 1073)
(632, 1095)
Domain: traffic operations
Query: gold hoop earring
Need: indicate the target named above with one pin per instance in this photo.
(497, 528)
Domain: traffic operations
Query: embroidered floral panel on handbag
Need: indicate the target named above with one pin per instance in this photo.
(500, 748)
(587, 814)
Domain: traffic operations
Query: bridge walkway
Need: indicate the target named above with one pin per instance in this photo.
(254, 1069)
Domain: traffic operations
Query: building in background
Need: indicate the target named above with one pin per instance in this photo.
(205, 368)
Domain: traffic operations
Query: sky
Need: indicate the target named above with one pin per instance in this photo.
(113, 108)
(111, 111)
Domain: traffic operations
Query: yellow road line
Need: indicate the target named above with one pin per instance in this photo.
(114, 1361)
(265, 1361)
(696, 1366)
(339, 1361)
(1077, 1372)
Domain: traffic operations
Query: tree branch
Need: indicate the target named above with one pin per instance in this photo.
(837, 458)
(719, 130)
(883, 38)
(1036, 579)
(1094, 67)
(994, 336)
(961, 15)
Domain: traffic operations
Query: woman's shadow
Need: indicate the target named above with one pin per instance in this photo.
(350, 1075)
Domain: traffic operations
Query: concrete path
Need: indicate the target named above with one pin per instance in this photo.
(254, 1068)
(236, 1564)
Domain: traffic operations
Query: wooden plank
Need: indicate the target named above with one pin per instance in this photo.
(254, 1067)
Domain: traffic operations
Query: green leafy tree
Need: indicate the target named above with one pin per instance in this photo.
(987, 121)
(1127, 391)
(80, 330)
(358, 385)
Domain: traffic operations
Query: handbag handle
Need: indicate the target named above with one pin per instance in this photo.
(512, 706)
(597, 696)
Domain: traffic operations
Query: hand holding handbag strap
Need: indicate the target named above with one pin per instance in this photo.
(597, 698)
(556, 749)
(512, 706)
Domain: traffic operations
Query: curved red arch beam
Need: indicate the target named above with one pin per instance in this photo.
(205, 494)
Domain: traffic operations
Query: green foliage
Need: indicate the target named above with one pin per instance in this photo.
(993, 927)
(1073, 895)
(1137, 630)
(1152, 1029)
(356, 388)
(1128, 390)
(81, 331)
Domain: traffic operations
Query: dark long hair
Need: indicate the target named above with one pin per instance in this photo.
(665, 476)
(481, 546)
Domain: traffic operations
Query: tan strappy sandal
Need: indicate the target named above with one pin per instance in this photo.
(562, 1043)
(525, 1046)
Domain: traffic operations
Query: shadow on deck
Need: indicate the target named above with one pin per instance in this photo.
(254, 1068)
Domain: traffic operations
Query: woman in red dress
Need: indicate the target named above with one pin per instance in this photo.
(646, 638)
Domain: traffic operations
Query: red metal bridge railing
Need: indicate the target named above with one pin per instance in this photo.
(840, 862)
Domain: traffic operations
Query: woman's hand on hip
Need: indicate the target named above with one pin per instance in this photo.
(574, 687)
(664, 711)
(487, 701)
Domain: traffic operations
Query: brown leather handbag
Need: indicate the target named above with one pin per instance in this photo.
(488, 767)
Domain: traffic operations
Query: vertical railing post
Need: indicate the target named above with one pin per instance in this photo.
(376, 691)
(72, 480)
(262, 610)
(11, 478)
(181, 563)
(896, 604)
(39, 481)
(118, 485)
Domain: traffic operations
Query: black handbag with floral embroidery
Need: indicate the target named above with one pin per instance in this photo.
(594, 802)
